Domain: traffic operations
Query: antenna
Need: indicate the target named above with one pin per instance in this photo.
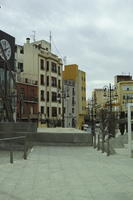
(34, 36)
(65, 60)
(50, 39)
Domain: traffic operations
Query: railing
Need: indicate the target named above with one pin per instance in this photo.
(11, 147)
(28, 98)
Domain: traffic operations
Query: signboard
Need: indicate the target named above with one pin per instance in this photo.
(8, 45)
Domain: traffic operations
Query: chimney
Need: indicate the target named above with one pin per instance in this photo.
(27, 40)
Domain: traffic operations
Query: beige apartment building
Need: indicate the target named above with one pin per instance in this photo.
(36, 62)
(125, 94)
(98, 101)
(74, 82)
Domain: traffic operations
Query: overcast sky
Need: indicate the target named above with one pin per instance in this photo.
(95, 34)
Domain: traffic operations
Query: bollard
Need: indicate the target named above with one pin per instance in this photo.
(25, 149)
(94, 141)
(108, 151)
(11, 156)
(102, 144)
(98, 143)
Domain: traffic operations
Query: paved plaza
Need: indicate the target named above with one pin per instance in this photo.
(66, 173)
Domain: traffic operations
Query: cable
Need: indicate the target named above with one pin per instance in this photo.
(58, 52)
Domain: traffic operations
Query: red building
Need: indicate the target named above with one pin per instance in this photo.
(27, 100)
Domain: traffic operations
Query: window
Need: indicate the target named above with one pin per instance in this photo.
(47, 80)
(72, 110)
(47, 65)
(128, 87)
(20, 66)
(54, 96)
(42, 95)
(42, 109)
(59, 84)
(48, 111)
(54, 68)
(22, 91)
(59, 73)
(59, 111)
(53, 82)
(54, 111)
(59, 97)
(73, 101)
(42, 64)
(73, 91)
(22, 50)
(47, 96)
(42, 79)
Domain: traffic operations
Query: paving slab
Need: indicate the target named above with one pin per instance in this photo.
(66, 173)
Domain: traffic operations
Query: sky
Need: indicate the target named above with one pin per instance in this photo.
(97, 35)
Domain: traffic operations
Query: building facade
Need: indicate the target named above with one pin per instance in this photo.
(27, 108)
(125, 94)
(74, 82)
(35, 61)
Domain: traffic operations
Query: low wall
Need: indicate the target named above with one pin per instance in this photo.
(63, 138)
(52, 138)
(18, 127)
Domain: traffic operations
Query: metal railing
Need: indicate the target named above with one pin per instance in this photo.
(11, 146)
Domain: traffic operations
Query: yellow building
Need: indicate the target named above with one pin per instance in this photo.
(125, 94)
(78, 107)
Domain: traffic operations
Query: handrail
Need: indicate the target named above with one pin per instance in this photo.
(11, 149)
(13, 138)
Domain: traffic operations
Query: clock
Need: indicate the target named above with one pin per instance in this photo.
(6, 48)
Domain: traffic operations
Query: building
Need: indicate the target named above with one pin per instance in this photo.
(98, 101)
(119, 78)
(125, 94)
(35, 61)
(27, 108)
(74, 87)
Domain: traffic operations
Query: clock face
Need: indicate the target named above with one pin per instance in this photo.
(6, 48)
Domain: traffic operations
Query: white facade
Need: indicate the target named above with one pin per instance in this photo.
(70, 96)
(41, 65)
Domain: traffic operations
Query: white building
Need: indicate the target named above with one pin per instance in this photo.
(36, 62)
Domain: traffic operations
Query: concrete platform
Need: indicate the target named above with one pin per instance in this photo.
(67, 173)
(59, 130)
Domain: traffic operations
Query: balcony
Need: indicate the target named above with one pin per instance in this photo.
(29, 116)
(30, 99)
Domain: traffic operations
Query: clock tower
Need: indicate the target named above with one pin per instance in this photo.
(7, 77)
(7, 50)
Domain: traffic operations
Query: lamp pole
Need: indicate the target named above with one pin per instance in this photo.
(93, 123)
(108, 93)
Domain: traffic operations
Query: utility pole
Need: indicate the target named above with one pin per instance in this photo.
(34, 36)
(129, 131)
(50, 40)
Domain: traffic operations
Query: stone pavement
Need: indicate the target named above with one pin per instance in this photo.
(66, 173)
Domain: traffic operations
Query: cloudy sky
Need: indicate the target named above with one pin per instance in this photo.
(95, 34)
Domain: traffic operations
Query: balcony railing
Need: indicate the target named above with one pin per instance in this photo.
(30, 99)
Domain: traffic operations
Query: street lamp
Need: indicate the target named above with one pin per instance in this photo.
(93, 122)
(63, 95)
(110, 93)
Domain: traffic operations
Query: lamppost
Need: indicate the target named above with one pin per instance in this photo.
(93, 122)
(63, 95)
(110, 93)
